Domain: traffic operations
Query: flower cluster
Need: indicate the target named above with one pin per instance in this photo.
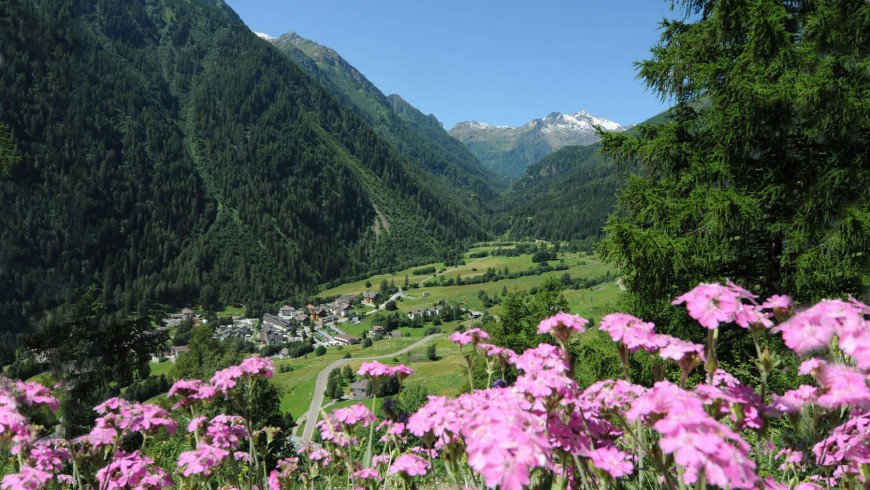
(708, 431)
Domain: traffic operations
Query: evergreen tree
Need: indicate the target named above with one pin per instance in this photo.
(759, 174)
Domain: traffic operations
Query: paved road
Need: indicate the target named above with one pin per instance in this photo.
(323, 377)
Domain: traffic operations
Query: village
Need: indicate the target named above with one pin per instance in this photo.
(319, 325)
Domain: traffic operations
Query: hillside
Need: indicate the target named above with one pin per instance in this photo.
(565, 196)
(419, 138)
(508, 150)
(170, 156)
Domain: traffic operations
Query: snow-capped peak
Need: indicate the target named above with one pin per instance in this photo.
(262, 35)
(480, 125)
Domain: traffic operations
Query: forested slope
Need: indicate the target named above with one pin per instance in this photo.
(565, 196)
(169, 155)
(419, 138)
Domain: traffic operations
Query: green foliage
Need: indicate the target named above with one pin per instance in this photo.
(205, 355)
(760, 172)
(175, 158)
(419, 138)
(94, 354)
(521, 313)
(566, 196)
(431, 352)
(8, 157)
(320, 350)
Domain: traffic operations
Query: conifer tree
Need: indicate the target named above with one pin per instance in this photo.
(760, 172)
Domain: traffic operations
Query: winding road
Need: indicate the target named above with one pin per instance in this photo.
(323, 376)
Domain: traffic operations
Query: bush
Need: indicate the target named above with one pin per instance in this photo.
(320, 350)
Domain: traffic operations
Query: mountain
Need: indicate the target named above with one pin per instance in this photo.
(567, 195)
(419, 138)
(508, 150)
(170, 156)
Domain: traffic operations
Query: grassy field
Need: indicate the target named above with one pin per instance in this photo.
(446, 376)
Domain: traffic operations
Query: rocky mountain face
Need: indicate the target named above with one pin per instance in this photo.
(509, 150)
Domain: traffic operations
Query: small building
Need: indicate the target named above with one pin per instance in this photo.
(377, 329)
(187, 314)
(359, 389)
(346, 298)
(287, 312)
(415, 314)
(342, 309)
(346, 339)
(318, 313)
(276, 322)
(177, 350)
(370, 297)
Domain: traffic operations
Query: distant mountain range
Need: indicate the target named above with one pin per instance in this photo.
(508, 150)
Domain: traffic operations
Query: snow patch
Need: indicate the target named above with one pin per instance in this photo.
(263, 35)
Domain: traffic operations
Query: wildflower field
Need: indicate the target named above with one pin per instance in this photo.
(528, 426)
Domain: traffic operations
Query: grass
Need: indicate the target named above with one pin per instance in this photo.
(445, 376)
(158, 368)
(298, 385)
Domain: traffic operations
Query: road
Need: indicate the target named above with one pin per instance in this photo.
(394, 297)
(323, 377)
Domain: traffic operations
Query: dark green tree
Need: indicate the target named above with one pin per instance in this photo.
(760, 172)
(431, 352)
(94, 354)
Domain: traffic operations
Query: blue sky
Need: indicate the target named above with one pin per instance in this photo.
(499, 62)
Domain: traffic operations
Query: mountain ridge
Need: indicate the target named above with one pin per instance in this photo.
(509, 150)
(419, 138)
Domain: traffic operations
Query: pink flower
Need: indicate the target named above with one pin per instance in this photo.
(794, 400)
(103, 434)
(375, 369)
(711, 304)
(811, 366)
(436, 419)
(132, 470)
(226, 431)
(367, 474)
(612, 461)
(687, 355)
(815, 327)
(36, 394)
(472, 336)
(631, 331)
(225, 379)
(48, 455)
(202, 460)
(315, 453)
(195, 424)
(408, 465)
(562, 325)
(14, 427)
(353, 415)
(777, 302)
(191, 392)
(843, 386)
(258, 366)
(285, 469)
(26, 479)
